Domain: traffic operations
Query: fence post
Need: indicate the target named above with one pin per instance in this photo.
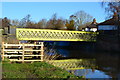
(42, 45)
(23, 53)
(6, 45)
(34, 43)
(3, 51)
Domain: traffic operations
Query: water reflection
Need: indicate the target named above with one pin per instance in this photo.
(108, 62)
(63, 52)
(90, 73)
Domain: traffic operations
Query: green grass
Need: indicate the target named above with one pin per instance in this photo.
(33, 70)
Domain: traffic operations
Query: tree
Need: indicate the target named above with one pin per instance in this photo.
(25, 21)
(81, 18)
(42, 24)
(0, 23)
(32, 24)
(51, 24)
(111, 7)
(15, 22)
(60, 24)
(5, 22)
(74, 22)
(70, 24)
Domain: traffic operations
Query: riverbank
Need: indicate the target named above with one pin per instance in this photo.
(34, 70)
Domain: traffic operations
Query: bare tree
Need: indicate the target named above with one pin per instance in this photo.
(5, 22)
(32, 25)
(42, 24)
(0, 23)
(51, 24)
(15, 22)
(80, 18)
(25, 21)
(83, 17)
(60, 24)
(111, 7)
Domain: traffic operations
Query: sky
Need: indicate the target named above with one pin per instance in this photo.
(44, 10)
(53, 0)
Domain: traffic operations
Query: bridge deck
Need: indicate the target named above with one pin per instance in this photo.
(54, 35)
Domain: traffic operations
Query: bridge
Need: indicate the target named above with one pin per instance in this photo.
(50, 35)
(54, 35)
(24, 54)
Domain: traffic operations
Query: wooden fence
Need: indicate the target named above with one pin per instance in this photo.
(23, 52)
(1, 31)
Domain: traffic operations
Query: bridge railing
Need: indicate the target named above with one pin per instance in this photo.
(54, 35)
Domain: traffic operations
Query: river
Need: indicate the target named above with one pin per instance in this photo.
(108, 62)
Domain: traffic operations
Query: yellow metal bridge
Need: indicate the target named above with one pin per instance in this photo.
(59, 35)
(54, 35)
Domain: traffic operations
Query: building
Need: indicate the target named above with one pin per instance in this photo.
(92, 27)
(9, 30)
(108, 38)
(110, 24)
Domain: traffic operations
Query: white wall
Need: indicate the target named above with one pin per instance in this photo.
(107, 27)
(90, 29)
(93, 29)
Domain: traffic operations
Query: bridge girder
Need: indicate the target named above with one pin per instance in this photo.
(54, 35)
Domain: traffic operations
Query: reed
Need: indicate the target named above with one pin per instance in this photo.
(51, 55)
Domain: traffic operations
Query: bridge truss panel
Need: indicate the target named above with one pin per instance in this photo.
(54, 35)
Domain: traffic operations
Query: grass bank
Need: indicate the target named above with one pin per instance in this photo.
(33, 70)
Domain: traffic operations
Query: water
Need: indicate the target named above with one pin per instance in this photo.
(107, 62)
(108, 65)
(89, 73)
